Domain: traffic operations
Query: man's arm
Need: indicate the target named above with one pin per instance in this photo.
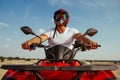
(93, 45)
(26, 45)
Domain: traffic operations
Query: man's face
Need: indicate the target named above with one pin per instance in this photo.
(60, 18)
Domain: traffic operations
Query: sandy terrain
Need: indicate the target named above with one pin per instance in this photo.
(116, 72)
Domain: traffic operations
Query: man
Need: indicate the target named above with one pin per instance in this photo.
(61, 34)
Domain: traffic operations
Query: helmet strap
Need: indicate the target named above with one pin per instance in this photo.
(55, 31)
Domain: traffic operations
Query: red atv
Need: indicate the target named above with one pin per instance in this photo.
(59, 66)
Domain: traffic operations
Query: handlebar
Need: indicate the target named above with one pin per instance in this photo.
(34, 45)
(77, 46)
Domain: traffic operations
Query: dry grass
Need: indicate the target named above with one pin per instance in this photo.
(116, 72)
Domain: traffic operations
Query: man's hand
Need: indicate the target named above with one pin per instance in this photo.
(26, 45)
(93, 45)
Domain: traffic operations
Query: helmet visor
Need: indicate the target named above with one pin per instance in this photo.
(59, 17)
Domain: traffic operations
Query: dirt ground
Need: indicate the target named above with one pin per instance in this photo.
(2, 72)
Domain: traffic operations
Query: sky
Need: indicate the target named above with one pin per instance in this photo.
(104, 15)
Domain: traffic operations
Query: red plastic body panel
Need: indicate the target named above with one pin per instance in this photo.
(58, 74)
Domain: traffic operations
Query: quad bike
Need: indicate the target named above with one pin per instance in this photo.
(61, 65)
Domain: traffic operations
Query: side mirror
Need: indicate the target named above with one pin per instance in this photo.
(27, 30)
(91, 32)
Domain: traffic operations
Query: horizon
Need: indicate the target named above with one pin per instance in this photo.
(22, 58)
